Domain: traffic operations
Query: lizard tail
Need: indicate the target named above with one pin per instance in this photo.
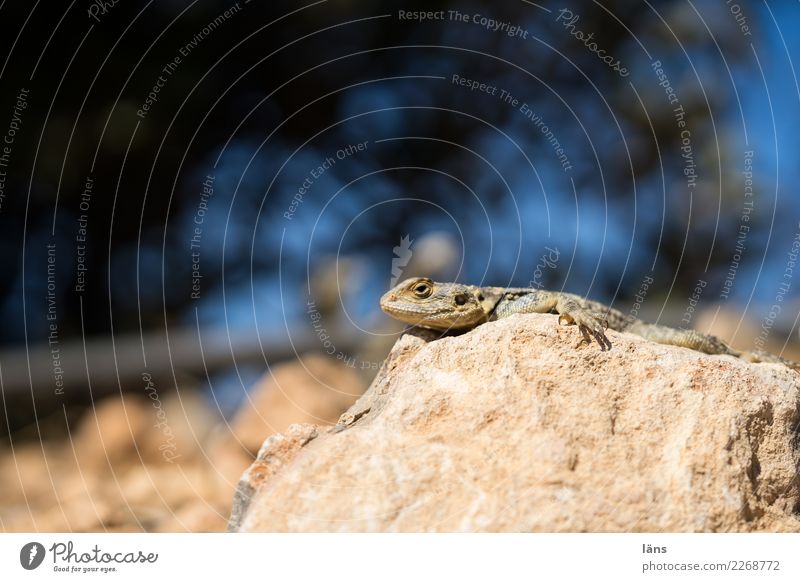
(759, 356)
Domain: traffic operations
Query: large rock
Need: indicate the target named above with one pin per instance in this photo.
(512, 428)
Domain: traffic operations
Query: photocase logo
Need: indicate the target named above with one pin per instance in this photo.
(402, 254)
(31, 555)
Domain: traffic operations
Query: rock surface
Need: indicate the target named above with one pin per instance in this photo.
(510, 428)
(119, 471)
(162, 462)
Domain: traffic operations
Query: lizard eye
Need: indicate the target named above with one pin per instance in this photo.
(422, 290)
(460, 299)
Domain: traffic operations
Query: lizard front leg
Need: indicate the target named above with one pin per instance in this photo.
(568, 309)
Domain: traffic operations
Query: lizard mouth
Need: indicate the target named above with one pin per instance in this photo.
(430, 317)
(407, 312)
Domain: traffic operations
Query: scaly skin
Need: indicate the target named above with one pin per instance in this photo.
(456, 307)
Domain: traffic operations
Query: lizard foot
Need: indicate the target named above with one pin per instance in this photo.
(590, 326)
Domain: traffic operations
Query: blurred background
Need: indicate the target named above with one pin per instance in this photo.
(201, 203)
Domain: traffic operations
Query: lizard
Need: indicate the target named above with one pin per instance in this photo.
(455, 307)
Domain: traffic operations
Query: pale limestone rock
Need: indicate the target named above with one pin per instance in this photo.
(511, 428)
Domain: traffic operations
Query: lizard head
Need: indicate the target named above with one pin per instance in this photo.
(443, 306)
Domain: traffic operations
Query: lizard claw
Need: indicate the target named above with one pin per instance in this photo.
(590, 327)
